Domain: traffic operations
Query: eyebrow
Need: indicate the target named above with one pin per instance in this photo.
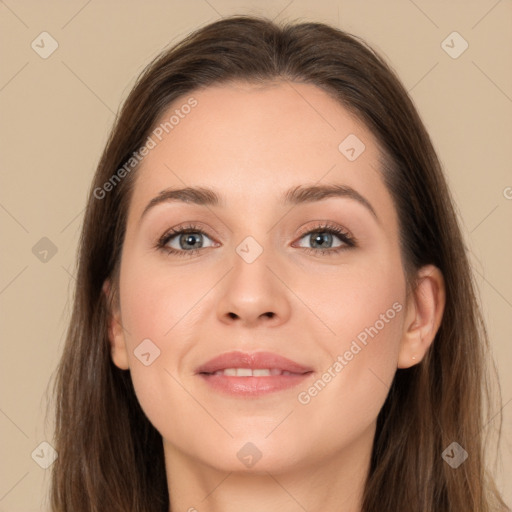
(300, 194)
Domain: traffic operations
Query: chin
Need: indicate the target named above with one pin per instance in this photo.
(250, 454)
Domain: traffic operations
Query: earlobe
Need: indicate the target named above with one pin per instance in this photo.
(116, 338)
(425, 308)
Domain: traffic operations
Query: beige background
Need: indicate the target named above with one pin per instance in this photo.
(56, 114)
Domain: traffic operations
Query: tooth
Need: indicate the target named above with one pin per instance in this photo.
(261, 373)
(247, 372)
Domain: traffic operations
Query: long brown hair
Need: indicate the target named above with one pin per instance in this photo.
(110, 457)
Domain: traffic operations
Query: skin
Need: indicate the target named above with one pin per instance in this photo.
(251, 143)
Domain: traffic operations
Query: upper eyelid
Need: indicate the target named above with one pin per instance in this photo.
(327, 226)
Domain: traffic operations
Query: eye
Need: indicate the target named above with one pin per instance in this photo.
(183, 240)
(323, 238)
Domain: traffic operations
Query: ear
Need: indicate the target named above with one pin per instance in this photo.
(116, 338)
(425, 307)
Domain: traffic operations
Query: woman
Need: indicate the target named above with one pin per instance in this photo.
(217, 361)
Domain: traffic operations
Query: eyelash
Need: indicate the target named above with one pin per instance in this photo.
(344, 236)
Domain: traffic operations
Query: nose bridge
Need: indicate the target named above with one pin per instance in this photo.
(251, 289)
(251, 263)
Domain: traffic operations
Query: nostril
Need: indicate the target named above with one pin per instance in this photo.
(270, 314)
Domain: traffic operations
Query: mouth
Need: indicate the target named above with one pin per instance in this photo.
(256, 374)
(248, 372)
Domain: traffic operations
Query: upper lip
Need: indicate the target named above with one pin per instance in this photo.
(253, 361)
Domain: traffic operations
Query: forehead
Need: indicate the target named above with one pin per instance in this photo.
(253, 142)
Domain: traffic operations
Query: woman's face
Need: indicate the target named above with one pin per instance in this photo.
(262, 269)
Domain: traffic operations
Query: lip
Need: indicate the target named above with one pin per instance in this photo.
(253, 361)
(250, 385)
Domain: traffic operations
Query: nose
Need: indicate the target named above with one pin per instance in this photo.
(255, 293)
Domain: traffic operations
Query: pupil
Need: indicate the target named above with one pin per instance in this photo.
(320, 236)
(188, 239)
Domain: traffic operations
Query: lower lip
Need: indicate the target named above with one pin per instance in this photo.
(253, 386)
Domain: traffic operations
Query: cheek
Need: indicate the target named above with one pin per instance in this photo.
(365, 311)
(363, 307)
(362, 303)
(158, 308)
(154, 300)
